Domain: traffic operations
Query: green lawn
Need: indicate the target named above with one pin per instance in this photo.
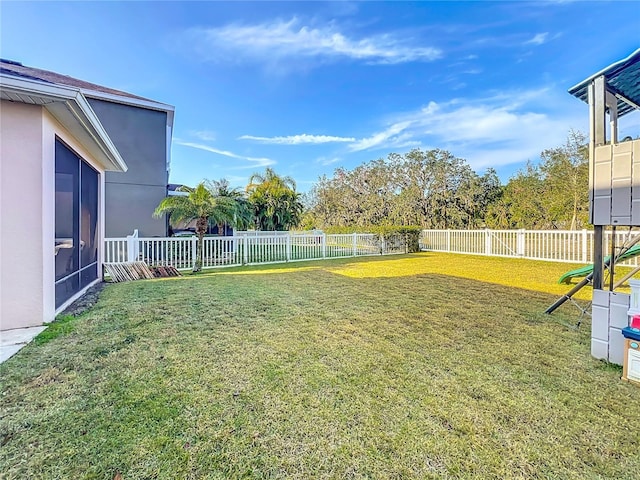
(415, 366)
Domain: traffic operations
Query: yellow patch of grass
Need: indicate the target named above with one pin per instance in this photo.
(537, 276)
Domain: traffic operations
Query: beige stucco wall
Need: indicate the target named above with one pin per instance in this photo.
(27, 212)
(21, 266)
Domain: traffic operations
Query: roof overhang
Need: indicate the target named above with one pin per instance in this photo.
(70, 107)
(622, 80)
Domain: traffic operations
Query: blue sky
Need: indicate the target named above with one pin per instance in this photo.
(308, 87)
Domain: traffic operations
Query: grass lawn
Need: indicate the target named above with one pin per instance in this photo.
(416, 366)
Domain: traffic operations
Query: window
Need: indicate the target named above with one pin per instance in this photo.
(76, 223)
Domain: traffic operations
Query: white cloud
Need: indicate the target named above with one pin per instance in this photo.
(538, 39)
(507, 128)
(298, 139)
(324, 161)
(279, 39)
(257, 161)
(206, 135)
(381, 138)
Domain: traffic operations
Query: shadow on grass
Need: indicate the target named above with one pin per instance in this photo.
(537, 276)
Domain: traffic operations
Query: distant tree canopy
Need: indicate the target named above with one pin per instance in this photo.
(421, 188)
(435, 189)
(432, 189)
(551, 195)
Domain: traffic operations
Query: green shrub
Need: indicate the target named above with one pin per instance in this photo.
(411, 238)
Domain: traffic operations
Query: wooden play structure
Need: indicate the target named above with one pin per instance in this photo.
(614, 197)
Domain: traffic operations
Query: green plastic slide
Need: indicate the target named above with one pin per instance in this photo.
(584, 271)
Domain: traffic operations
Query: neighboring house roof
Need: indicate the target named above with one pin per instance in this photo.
(623, 80)
(88, 89)
(173, 190)
(69, 106)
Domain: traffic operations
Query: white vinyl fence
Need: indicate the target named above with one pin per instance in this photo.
(247, 249)
(575, 246)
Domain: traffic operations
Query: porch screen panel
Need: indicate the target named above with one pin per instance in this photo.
(76, 218)
(88, 225)
(67, 240)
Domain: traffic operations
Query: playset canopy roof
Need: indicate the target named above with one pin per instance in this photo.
(623, 80)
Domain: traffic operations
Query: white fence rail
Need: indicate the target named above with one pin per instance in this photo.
(575, 246)
(180, 252)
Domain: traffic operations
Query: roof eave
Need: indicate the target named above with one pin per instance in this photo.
(98, 133)
(62, 101)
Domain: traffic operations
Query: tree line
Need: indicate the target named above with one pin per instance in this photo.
(435, 189)
(422, 188)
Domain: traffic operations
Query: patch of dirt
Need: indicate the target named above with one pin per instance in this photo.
(85, 302)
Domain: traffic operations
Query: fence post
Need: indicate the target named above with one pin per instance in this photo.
(234, 246)
(133, 247)
(383, 245)
(448, 240)
(194, 248)
(131, 256)
(324, 245)
(520, 250)
(487, 242)
(355, 245)
(245, 249)
(585, 258)
(289, 247)
(136, 244)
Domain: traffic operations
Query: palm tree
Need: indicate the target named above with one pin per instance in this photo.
(199, 205)
(270, 177)
(276, 203)
(242, 210)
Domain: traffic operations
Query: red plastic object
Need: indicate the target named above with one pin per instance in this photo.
(635, 321)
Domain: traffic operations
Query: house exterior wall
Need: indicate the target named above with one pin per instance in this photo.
(27, 213)
(131, 207)
(21, 214)
(140, 135)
